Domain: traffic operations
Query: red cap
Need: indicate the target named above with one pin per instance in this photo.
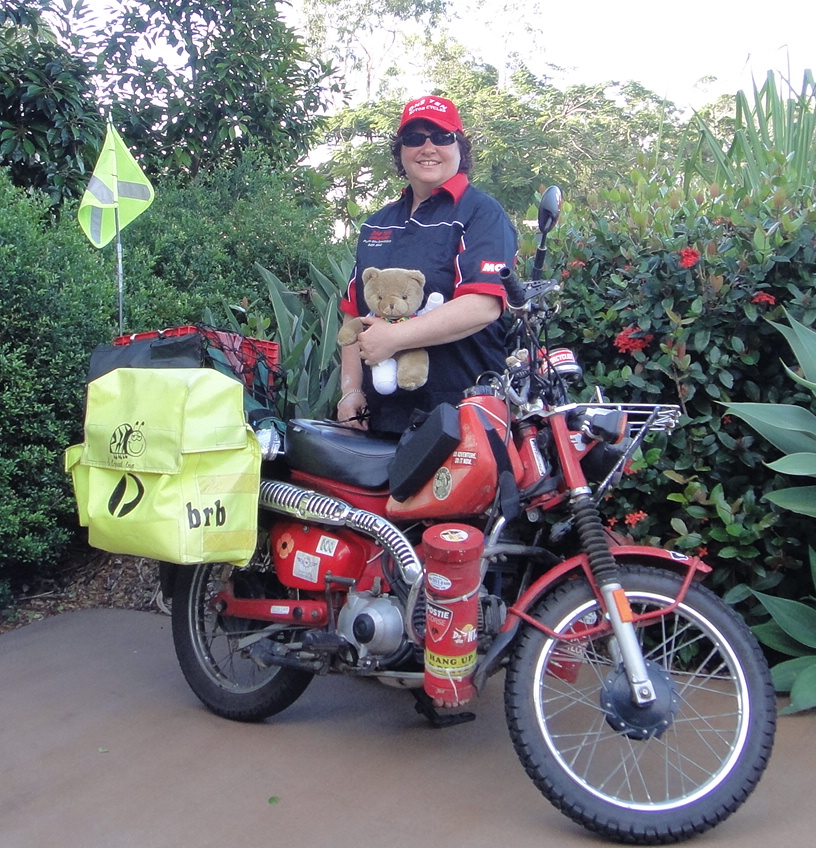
(436, 110)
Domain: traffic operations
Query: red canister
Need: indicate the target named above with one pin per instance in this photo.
(452, 580)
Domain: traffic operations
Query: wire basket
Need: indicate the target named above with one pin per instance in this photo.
(654, 417)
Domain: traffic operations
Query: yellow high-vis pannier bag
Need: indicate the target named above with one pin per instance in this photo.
(169, 468)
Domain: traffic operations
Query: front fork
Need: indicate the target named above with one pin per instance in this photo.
(605, 570)
(631, 656)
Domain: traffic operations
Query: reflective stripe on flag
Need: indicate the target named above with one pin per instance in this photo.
(117, 183)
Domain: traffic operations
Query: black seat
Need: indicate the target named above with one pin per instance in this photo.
(345, 454)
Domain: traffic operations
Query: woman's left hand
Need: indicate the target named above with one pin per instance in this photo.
(376, 342)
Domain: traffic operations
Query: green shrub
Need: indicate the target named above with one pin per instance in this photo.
(55, 306)
(304, 324)
(791, 629)
(198, 245)
(664, 300)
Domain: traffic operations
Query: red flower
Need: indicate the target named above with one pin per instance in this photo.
(702, 551)
(632, 339)
(577, 263)
(611, 521)
(635, 517)
(689, 257)
(763, 297)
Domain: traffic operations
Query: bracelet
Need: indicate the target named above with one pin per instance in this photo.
(349, 393)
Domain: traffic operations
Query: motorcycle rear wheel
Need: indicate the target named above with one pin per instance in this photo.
(218, 670)
(600, 760)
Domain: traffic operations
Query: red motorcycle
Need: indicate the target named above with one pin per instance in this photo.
(638, 702)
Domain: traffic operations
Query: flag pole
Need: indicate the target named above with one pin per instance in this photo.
(120, 275)
(117, 193)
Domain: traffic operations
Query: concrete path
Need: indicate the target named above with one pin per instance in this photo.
(102, 745)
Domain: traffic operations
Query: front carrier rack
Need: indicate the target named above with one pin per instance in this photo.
(645, 417)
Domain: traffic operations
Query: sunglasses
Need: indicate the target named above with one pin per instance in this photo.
(438, 138)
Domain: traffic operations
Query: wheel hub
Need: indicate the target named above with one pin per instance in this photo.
(632, 720)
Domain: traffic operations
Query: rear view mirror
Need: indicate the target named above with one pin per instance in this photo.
(549, 209)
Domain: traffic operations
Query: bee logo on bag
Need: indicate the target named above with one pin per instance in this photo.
(128, 440)
(125, 497)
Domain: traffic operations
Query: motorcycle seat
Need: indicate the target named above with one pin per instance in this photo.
(344, 454)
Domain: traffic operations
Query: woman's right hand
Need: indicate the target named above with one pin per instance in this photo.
(350, 409)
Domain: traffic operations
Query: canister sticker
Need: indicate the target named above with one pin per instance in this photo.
(452, 534)
(438, 582)
(437, 621)
(465, 635)
(445, 665)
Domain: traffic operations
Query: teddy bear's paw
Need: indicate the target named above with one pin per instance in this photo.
(411, 385)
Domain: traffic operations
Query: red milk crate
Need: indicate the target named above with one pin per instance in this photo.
(169, 333)
(253, 361)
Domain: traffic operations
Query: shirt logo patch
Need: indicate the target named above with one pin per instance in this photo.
(491, 267)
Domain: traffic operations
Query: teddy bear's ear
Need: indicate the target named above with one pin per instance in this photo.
(369, 274)
(418, 276)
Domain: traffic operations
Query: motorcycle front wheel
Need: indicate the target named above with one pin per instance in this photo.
(212, 648)
(653, 775)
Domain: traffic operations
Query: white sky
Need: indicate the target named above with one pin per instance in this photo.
(666, 46)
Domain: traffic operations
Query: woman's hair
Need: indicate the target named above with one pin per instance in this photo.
(465, 147)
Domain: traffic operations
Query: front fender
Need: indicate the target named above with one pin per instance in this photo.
(690, 567)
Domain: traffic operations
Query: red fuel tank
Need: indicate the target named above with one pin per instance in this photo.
(465, 484)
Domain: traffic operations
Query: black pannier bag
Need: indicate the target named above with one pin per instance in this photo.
(252, 361)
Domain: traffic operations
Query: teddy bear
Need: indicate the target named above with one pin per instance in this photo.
(394, 294)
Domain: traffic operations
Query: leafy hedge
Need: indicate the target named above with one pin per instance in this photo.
(666, 299)
(198, 244)
(53, 292)
(190, 257)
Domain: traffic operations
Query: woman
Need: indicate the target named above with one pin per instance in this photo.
(459, 237)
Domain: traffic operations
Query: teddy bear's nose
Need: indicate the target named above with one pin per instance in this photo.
(395, 308)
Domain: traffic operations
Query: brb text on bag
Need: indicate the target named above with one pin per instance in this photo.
(206, 516)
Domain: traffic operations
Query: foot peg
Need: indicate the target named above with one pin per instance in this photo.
(424, 706)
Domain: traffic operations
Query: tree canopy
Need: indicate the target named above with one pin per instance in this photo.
(242, 77)
(50, 125)
(191, 85)
(188, 84)
(525, 132)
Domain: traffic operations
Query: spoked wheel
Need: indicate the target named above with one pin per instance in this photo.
(214, 651)
(643, 776)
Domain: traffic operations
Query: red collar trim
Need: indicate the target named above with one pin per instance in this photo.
(455, 186)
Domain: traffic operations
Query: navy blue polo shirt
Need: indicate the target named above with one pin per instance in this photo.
(459, 238)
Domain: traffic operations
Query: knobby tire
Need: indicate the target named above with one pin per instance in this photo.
(218, 670)
(680, 781)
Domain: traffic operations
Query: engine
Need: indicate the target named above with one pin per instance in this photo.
(373, 624)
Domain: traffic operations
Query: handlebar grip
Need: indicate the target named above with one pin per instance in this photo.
(516, 294)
